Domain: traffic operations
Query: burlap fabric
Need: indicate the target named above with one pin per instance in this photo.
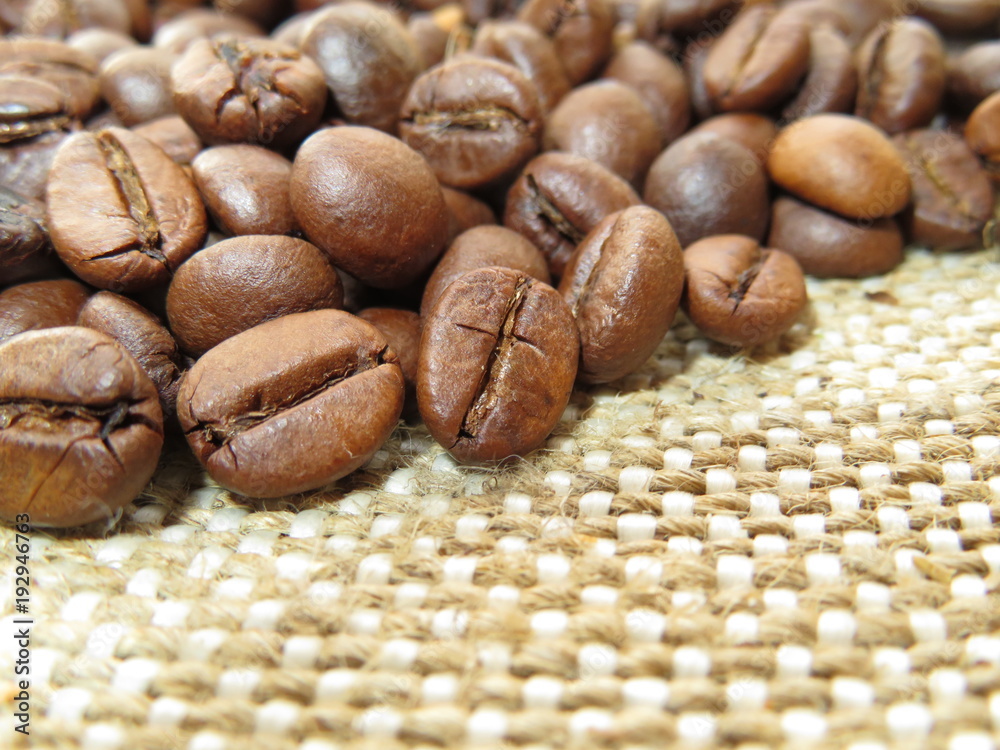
(793, 547)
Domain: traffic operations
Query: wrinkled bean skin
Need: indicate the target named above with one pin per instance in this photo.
(624, 286)
(498, 357)
(293, 404)
(40, 304)
(80, 427)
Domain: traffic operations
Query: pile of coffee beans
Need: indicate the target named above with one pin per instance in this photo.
(277, 230)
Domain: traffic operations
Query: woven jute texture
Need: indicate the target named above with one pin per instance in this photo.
(792, 547)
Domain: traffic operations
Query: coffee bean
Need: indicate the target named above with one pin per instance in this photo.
(901, 75)
(982, 133)
(753, 131)
(246, 189)
(234, 89)
(840, 163)
(401, 329)
(831, 83)
(43, 18)
(143, 336)
(694, 58)
(498, 357)
(40, 304)
(474, 134)
(580, 29)
(22, 228)
(135, 83)
(706, 184)
(100, 43)
(174, 136)
(72, 72)
(177, 34)
(739, 293)
(371, 202)
(623, 285)
(559, 198)
(481, 247)
(33, 108)
(863, 16)
(465, 212)
(429, 37)
(244, 281)
(80, 427)
(139, 218)
(974, 75)
(698, 17)
(830, 246)
(952, 195)
(292, 404)
(958, 16)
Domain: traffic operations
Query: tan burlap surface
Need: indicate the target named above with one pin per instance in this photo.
(797, 547)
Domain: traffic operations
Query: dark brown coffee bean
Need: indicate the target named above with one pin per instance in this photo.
(755, 132)
(952, 195)
(982, 133)
(293, 404)
(234, 89)
(80, 427)
(174, 136)
(71, 71)
(481, 247)
(245, 189)
(580, 29)
(830, 246)
(401, 329)
(135, 83)
(368, 60)
(623, 285)
(22, 228)
(498, 358)
(958, 16)
(40, 304)
(974, 75)
(901, 69)
(100, 43)
(24, 165)
(371, 202)
(465, 212)
(606, 122)
(739, 293)
(143, 336)
(660, 83)
(758, 60)
(559, 198)
(706, 184)
(264, 12)
(201, 23)
(472, 135)
(139, 218)
(32, 108)
(841, 163)
(698, 17)
(831, 84)
(59, 20)
(244, 281)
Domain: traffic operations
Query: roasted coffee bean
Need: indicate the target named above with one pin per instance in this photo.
(292, 404)
(244, 281)
(841, 163)
(830, 246)
(80, 427)
(40, 304)
(861, 17)
(44, 18)
(465, 212)
(694, 58)
(559, 198)
(952, 194)
(498, 357)
(472, 135)
(71, 71)
(481, 247)
(958, 16)
(739, 293)
(430, 38)
(201, 23)
(174, 136)
(139, 218)
(234, 89)
(368, 59)
(820, 13)
(982, 133)
(401, 329)
(371, 202)
(264, 12)
(974, 75)
(706, 184)
(135, 83)
(901, 69)
(100, 43)
(580, 29)
(143, 336)
(758, 60)
(623, 285)
(38, 267)
(660, 83)
(607, 122)
(831, 85)
(698, 17)
(22, 228)
(245, 189)
(755, 132)
(32, 108)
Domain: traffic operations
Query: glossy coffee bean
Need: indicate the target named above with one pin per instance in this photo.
(71, 71)
(698, 17)
(982, 133)
(292, 404)
(901, 74)
(706, 184)
(623, 285)
(739, 293)
(177, 34)
(559, 198)
(472, 134)
(135, 83)
(606, 122)
(100, 43)
(80, 427)
(974, 75)
(753, 131)
(958, 16)
(841, 163)
(246, 189)
(139, 218)
(401, 329)
(498, 357)
(831, 84)
(830, 246)
(481, 247)
(244, 281)
(952, 194)
(42, 18)
(234, 89)
(429, 37)
(465, 212)
(40, 304)
(22, 228)
(693, 60)
(34, 108)
(174, 136)
(371, 202)
(580, 29)
(143, 336)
